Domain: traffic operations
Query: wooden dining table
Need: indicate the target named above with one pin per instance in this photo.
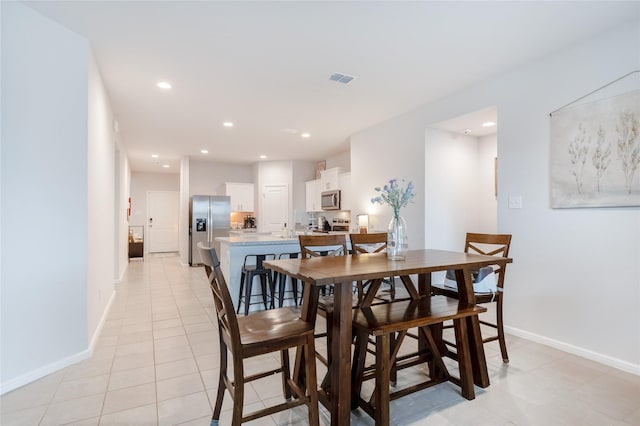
(342, 271)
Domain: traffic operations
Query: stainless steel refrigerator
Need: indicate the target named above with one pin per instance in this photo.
(210, 217)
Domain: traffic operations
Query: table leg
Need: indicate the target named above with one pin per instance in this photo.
(476, 348)
(424, 289)
(341, 355)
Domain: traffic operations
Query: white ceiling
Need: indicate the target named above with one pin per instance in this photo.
(266, 65)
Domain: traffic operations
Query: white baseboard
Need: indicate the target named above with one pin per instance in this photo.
(96, 334)
(41, 372)
(576, 350)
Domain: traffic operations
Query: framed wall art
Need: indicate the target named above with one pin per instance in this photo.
(595, 153)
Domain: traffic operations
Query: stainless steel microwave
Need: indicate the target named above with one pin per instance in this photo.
(330, 200)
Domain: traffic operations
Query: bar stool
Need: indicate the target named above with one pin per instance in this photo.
(281, 281)
(249, 272)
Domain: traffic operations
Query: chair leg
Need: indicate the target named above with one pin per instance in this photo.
(286, 373)
(326, 382)
(238, 402)
(263, 286)
(500, 327)
(357, 369)
(221, 385)
(240, 297)
(274, 282)
(281, 286)
(294, 288)
(312, 381)
(247, 292)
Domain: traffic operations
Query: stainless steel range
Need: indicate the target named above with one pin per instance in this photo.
(341, 224)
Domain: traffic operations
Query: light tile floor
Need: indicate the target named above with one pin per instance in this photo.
(156, 363)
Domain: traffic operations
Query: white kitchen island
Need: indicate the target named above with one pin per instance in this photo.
(234, 249)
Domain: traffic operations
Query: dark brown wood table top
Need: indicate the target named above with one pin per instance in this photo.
(334, 269)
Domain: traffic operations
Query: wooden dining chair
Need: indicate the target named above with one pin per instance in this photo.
(323, 245)
(316, 246)
(371, 243)
(491, 245)
(275, 330)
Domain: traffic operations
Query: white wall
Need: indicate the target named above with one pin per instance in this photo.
(393, 149)
(451, 187)
(44, 196)
(302, 171)
(101, 200)
(184, 210)
(123, 193)
(574, 281)
(208, 178)
(487, 212)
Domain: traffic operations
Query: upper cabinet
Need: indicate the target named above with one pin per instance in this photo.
(312, 194)
(241, 196)
(330, 179)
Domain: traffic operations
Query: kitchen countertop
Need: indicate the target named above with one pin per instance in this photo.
(262, 239)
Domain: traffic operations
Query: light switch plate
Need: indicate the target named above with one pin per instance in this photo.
(515, 202)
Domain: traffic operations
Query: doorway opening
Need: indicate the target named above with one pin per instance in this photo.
(461, 178)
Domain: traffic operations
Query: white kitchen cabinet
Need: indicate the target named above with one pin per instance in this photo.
(241, 196)
(345, 191)
(330, 179)
(312, 196)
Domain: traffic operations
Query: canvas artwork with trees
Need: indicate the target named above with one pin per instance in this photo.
(595, 153)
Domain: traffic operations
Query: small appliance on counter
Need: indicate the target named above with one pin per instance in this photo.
(323, 224)
(249, 222)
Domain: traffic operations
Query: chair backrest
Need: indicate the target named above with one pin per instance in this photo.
(490, 245)
(227, 319)
(368, 243)
(323, 245)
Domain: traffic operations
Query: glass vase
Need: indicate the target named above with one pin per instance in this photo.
(397, 238)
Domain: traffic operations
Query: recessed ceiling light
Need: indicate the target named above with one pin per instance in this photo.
(488, 124)
(166, 166)
(466, 131)
(263, 157)
(154, 155)
(227, 124)
(164, 85)
(306, 135)
(204, 151)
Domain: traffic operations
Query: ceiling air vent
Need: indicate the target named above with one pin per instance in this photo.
(341, 78)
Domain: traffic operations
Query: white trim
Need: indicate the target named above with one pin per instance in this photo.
(60, 364)
(96, 335)
(576, 350)
(43, 371)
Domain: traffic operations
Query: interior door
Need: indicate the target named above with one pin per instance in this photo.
(162, 221)
(275, 207)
